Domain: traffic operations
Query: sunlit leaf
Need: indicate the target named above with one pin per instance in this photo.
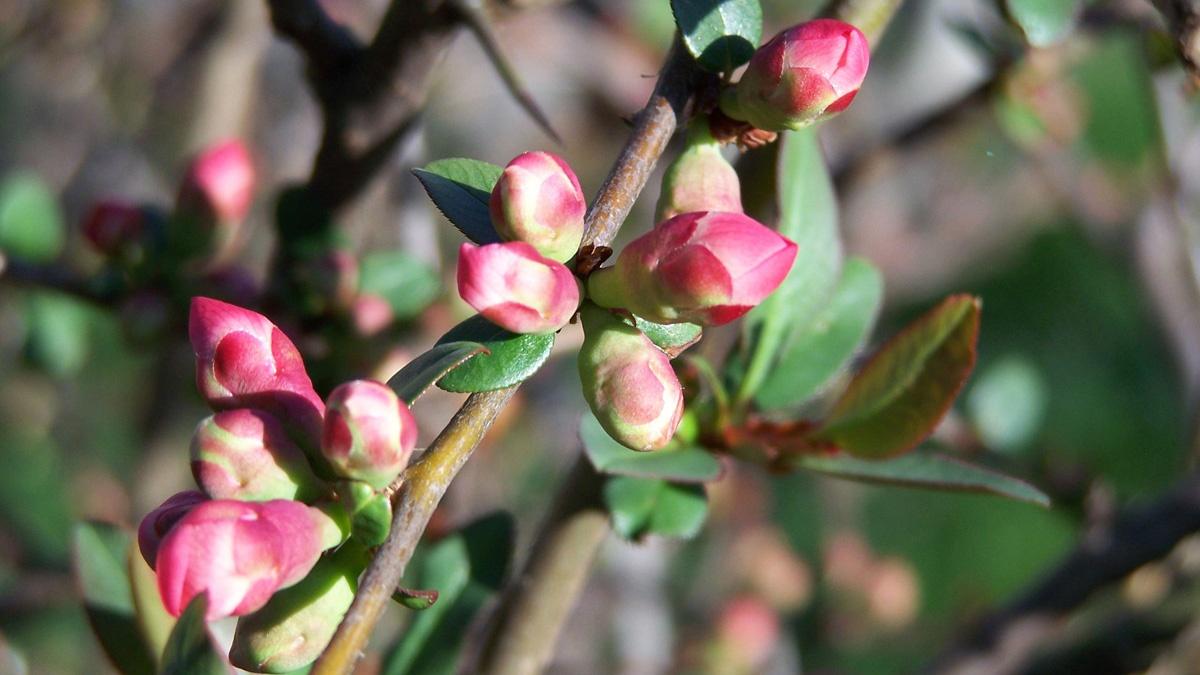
(683, 464)
(190, 649)
(647, 506)
(461, 188)
(510, 358)
(672, 338)
(420, 373)
(721, 34)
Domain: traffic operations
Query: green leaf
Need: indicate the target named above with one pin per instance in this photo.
(31, 225)
(373, 521)
(153, 619)
(925, 470)
(466, 569)
(897, 399)
(822, 349)
(684, 464)
(101, 552)
(414, 378)
(1044, 22)
(190, 650)
(808, 215)
(415, 599)
(672, 338)
(721, 34)
(510, 358)
(58, 338)
(643, 506)
(1007, 403)
(408, 284)
(461, 188)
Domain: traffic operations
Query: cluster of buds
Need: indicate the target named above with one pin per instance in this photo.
(283, 478)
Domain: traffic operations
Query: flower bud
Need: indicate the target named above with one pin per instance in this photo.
(628, 382)
(219, 184)
(804, 74)
(538, 200)
(369, 433)
(113, 227)
(244, 361)
(700, 179)
(296, 625)
(706, 268)
(239, 553)
(516, 288)
(245, 454)
(159, 522)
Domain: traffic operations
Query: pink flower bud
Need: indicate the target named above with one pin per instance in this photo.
(244, 361)
(538, 200)
(804, 74)
(516, 288)
(706, 268)
(111, 226)
(371, 314)
(239, 553)
(700, 179)
(219, 183)
(159, 522)
(369, 432)
(628, 382)
(245, 454)
(749, 629)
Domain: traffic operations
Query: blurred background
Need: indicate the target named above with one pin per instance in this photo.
(1059, 182)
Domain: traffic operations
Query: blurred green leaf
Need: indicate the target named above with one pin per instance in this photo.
(58, 336)
(101, 552)
(190, 649)
(153, 619)
(1007, 403)
(644, 506)
(466, 569)
(897, 399)
(925, 470)
(823, 348)
(420, 373)
(721, 34)
(1044, 22)
(1122, 117)
(31, 225)
(511, 358)
(672, 338)
(33, 495)
(683, 464)
(461, 188)
(408, 284)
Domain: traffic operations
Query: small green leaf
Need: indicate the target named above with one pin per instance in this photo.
(408, 284)
(925, 470)
(1044, 22)
(642, 507)
(821, 350)
(190, 649)
(721, 34)
(371, 523)
(59, 334)
(510, 358)
(683, 464)
(100, 554)
(31, 225)
(415, 599)
(897, 399)
(416, 377)
(466, 569)
(672, 338)
(461, 188)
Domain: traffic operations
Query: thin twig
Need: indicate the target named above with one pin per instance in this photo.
(52, 277)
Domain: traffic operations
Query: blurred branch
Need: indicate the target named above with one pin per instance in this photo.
(327, 45)
(424, 484)
(51, 277)
(1136, 536)
(1183, 18)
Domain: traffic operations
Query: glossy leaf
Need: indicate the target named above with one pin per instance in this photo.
(190, 649)
(925, 470)
(686, 464)
(822, 349)
(672, 338)
(721, 34)
(408, 284)
(31, 225)
(646, 506)
(1044, 22)
(466, 569)
(510, 358)
(420, 373)
(100, 553)
(460, 188)
(897, 399)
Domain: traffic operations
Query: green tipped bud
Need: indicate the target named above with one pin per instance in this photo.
(700, 179)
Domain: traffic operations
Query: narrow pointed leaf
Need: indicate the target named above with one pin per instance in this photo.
(190, 649)
(415, 599)
(925, 470)
(685, 464)
(460, 188)
(898, 398)
(720, 34)
(153, 619)
(672, 338)
(509, 359)
(420, 374)
(644, 506)
(100, 553)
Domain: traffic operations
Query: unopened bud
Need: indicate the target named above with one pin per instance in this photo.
(700, 179)
(159, 522)
(114, 227)
(219, 183)
(538, 200)
(245, 454)
(628, 382)
(369, 433)
(516, 288)
(706, 268)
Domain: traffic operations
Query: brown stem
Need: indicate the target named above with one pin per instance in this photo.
(1183, 18)
(52, 277)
